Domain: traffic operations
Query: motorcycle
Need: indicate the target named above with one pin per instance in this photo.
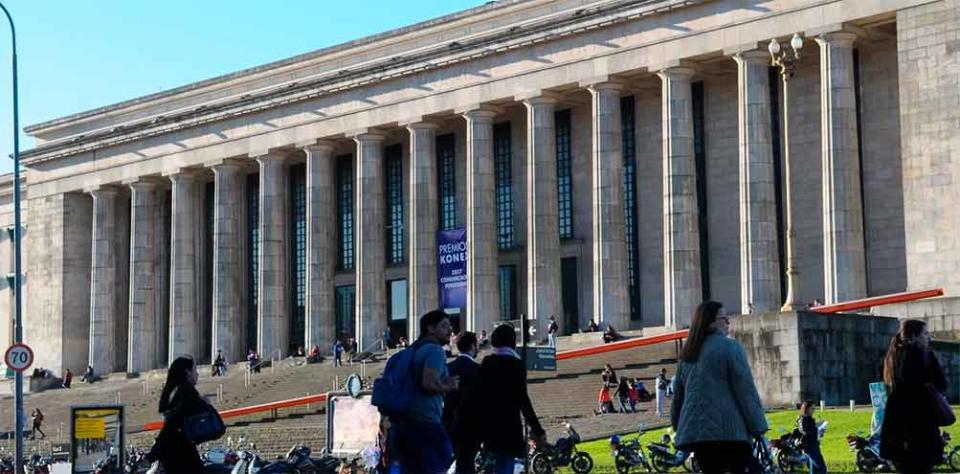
(7, 465)
(247, 463)
(629, 455)
(789, 452)
(219, 459)
(762, 459)
(868, 454)
(950, 457)
(663, 457)
(298, 460)
(563, 453)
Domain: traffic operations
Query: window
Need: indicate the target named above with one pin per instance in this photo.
(346, 298)
(253, 244)
(627, 114)
(700, 159)
(448, 191)
(345, 211)
(775, 119)
(508, 292)
(397, 291)
(394, 172)
(564, 174)
(298, 270)
(503, 157)
(570, 294)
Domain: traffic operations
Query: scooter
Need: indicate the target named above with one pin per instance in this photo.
(868, 454)
(563, 453)
(628, 456)
(664, 456)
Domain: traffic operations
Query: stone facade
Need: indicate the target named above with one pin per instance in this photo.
(871, 108)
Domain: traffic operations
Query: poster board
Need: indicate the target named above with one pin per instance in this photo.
(96, 434)
(353, 424)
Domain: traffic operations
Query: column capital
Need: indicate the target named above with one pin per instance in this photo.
(144, 184)
(225, 164)
(421, 125)
(271, 157)
(368, 136)
(602, 83)
(756, 56)
(181, 173)
(538, 97)
(102, 190)
(482, 114)
(320, 147)
(836, 38)
(677, 73)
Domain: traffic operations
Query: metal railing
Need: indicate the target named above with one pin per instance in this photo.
(867, 303)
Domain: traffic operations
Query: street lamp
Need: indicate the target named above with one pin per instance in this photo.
(18, 280)
(785, 59)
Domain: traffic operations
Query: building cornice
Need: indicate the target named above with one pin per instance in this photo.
(468, 48)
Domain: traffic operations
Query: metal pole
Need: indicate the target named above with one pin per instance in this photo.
(17, 259)
(792, 282)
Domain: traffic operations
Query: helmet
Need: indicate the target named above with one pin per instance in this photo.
(615, 439)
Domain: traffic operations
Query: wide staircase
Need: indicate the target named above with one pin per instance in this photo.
(568, 395)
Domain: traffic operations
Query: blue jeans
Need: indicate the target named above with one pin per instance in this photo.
(551, 340)
(504, 464)
(420, 447)
(817, 464)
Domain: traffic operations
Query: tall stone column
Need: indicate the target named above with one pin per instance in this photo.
(228, 277)
(185, 219)
(681, 234)
(611, 300)
(273, 322)
(144, 237)
(483, 297)
(844, 261)
(759, 260)
(423, 290)
(103, 281)
(543, 233)
(369, 231)
(321, 246)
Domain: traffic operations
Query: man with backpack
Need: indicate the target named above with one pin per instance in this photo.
(410, 394)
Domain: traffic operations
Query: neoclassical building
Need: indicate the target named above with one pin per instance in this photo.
(618, 161)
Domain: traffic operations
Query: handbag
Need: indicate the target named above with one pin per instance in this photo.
(204, 426)
(942, 412)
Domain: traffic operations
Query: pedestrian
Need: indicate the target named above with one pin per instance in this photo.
(462, 425)
(716, 410)
(88, 375)
(610, 335)
(179, 399)
(387, 339)
(592, 327)
(219, 365)
(552, 330)
(67, 378)
(417, 438)
(662, 386)
(633, 395)
(253, 362)
(501, 399)
(623, 394)
(810, 438)
(910, 436)
(37, 418)
(609, 376)
(604, 402)
(337, 353)
(484, 339)
(351, 350)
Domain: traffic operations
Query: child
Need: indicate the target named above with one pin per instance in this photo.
(810, 442)
(634, 396)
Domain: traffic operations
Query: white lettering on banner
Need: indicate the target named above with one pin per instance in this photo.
(453, 257)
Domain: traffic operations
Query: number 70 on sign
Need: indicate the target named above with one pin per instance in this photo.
(19, 357)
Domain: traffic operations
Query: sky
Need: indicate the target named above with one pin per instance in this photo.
(79, 55)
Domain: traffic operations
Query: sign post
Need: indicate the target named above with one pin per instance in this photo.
(19, 357)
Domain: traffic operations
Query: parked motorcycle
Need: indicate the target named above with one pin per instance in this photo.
(762, 459)
(7, 465)
(135, 462)
(248, 462)
(664, 456)
(563, 453)
(789, 453)
(629, 456)
(298, 461)
(868, 454)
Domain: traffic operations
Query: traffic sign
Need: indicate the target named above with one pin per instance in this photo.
(19, 357)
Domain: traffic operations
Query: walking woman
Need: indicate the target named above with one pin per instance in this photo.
(178, 399)
(716, 409)
(910, 436)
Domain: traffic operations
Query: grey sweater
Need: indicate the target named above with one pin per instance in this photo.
(714, 398)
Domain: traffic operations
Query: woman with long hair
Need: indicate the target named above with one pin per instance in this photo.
(178, 399)
(910, 436)
(716, 409)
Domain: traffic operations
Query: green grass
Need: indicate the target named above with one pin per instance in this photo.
(834, 443)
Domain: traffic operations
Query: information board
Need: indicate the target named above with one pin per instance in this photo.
(541, 358)
(353, 424)
(96, 436)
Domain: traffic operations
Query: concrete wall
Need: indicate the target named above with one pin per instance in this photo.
(57, 303)
(941, 314)
(928, 51)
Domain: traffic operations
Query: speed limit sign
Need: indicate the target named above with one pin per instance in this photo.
(19, 357)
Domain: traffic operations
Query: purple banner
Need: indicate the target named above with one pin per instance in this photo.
(452, 269)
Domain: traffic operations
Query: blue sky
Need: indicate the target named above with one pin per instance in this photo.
(79, 55)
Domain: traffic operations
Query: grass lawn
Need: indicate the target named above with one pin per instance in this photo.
(834, 443)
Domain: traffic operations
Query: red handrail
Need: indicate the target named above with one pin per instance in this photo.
(878, 301)
(565, 355)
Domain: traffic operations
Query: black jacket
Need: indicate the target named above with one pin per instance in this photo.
(910, 434)
(453, 420)
(808, 431)
(174, 451)
(501, 397)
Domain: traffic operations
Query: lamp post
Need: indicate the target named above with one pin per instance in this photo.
(785, 59)
(18, 322)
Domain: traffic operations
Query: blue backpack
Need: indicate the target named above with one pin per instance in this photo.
(394, 391)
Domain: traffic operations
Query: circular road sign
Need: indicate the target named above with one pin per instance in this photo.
(19, 357)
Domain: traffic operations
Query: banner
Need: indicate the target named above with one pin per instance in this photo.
(452, 269)
(878, 398)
